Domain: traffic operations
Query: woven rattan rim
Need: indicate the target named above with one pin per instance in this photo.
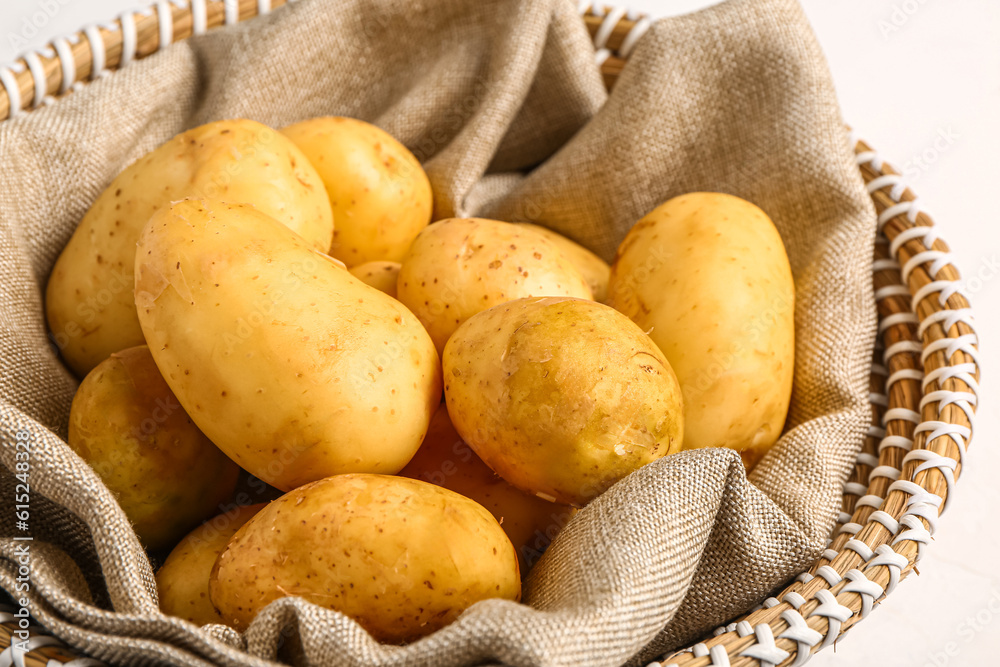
(924, 381)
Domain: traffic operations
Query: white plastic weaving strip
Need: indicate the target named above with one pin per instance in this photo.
(232, 12)
(719, 656)
(869, 460)
(869, 591)
(792, 598)
(891, 290)
(964, 400)
(834, 612)
(39, 82)
(97, 54)
(66, 60)
(799, 632)
(956, 432)
(885, 180)
(884, 471)
(902, 414)
(12, 658)
(964, 372)
(851, 528)
(9, 82)
(947, 319)
(165, 21)
(903, 374)
(894, 562)
(943, 288)
(829, 575)
(611, 19)
(634, 35)
(895, 441)
(870, 500)
(926, 235)
(129, 38)
(910, 208)
(911, 346)
(854, 488)
(886, 520)
(887, 264)
(965, 343)
(765, 650)
(932, 460)
(199, 17)
(916, 532)
(860, 548)
(896, 318)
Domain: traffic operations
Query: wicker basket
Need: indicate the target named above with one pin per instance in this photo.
(923, 381)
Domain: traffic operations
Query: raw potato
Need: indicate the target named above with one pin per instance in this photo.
(400, 556)
(89, 302)
(561, 397)
(594, 269)
(127, 424)
(462, 266)
(291, 365)
(446, 460)
(708, 274)
(380, 275)
(380, 195)
(182, 580)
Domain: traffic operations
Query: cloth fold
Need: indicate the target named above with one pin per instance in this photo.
(502, 101)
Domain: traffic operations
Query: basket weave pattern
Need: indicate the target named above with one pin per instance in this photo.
(924, 380)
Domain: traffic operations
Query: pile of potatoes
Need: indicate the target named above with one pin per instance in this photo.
(424, 404)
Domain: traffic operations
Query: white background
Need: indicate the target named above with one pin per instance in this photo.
(908, 72)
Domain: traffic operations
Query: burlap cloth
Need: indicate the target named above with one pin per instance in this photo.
(736, 99)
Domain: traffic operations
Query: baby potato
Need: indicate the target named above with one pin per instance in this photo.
(593, 269)
(707, 274)
(380, 275)
(400, 556)
(291, 365)
(380, 195)
(182, 580)
(562, 397)
(88, 300)
(127, 424)
(462, 266)
(446, 460)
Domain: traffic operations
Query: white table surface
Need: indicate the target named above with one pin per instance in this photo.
(908, 72)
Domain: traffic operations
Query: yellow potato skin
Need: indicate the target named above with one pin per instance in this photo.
(707, 273)
(561, 397)
(594, 270)
(446, 460)
(182, 580)
(380, 275)
(294, 368)
(462, 266)
(88, 299)
(379, 193)
(127, 424)
(400, 556)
